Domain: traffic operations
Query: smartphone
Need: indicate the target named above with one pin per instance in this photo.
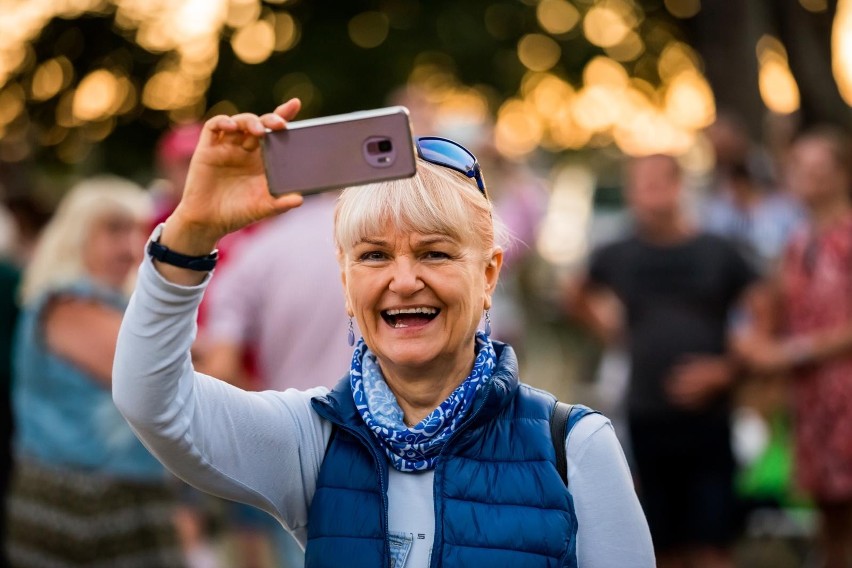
(322, 154)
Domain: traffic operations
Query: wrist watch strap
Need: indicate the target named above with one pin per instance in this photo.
(164, 254)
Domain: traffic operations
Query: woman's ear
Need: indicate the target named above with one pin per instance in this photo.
(349, 311)
(492, 274)
(345, 288)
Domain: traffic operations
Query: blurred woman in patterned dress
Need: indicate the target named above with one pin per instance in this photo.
(813, 333)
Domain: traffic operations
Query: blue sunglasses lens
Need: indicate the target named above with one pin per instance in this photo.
(446, 153)
(452, 155)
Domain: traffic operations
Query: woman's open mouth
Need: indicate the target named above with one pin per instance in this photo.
(409, 317)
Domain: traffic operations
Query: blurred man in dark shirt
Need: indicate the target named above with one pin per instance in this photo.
(677, 287)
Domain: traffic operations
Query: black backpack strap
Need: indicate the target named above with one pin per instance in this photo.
(558, 432)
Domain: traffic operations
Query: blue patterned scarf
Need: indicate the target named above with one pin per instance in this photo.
(415, 448)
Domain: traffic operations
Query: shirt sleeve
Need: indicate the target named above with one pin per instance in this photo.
(612, 529)
(743, 274)
(264, 449)
(598, 271)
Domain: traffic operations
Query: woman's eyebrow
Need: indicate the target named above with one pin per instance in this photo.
(375, 241)
(435, 239)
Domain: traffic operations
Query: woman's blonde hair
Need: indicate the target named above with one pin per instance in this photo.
(58, 257)
(437, 200)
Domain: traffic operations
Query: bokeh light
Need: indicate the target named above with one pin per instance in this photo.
(368, 29)
(628, 49)
(815, 6)
(538, 52)
(561, 243)
(241, 13)
(255, 42)
(676, 58)
(778, 87)
(518, 131)
(97, 96)
(11, 103)
(841, 49)
(608, 22)
(557, 16)
(689, 101)
(286, 31)
(51, 77)
(683, 8)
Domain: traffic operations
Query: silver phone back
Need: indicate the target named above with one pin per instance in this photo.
(327, 153)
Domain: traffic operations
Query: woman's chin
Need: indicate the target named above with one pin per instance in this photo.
(410, 352)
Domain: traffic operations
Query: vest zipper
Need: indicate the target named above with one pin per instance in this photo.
(435, 559)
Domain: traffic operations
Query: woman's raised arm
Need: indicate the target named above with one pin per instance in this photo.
(260, 448)
(226, 187)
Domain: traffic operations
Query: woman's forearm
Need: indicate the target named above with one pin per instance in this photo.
(214, 436)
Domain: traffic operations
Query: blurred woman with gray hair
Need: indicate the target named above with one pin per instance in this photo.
(86, 492)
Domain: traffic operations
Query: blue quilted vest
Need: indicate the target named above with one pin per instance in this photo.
(499, 500)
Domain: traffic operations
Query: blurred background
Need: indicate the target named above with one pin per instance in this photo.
(88, 85)
(564, 87)
(550, 94)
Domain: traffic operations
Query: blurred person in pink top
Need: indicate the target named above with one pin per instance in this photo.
(247, 311)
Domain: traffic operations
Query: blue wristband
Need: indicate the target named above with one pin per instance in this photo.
(164, 254)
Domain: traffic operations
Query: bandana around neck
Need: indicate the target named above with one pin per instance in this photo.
(414, 448)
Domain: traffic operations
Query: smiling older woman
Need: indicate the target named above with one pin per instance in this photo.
(430, 451)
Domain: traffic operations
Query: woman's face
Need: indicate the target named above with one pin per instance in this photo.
(418, 298)
(813, 173)
(113, 248)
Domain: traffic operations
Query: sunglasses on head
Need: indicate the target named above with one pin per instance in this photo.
(449, 154)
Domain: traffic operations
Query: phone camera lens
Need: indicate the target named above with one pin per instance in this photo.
(385, 146)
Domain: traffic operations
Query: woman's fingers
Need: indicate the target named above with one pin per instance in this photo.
(221, 123)
(273, 121)
(248, 128)
(249, 123)
(289, 110)
(287, 201)
(235, 128)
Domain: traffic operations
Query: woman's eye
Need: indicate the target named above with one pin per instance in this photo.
(437, 255)
(372, 255)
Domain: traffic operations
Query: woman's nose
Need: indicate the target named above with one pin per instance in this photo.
(405, 279)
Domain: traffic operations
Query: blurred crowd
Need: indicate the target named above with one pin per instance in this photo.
(722, 307)
(725, 312)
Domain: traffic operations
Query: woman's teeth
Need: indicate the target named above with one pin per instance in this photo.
(406, 317)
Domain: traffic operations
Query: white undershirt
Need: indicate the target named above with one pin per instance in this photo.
(413, 512)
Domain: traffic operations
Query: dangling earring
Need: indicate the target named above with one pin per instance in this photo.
(487, 323)
(351, 336)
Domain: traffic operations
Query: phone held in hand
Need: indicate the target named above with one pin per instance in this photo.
(322, 154)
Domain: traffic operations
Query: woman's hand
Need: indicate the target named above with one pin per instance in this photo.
(226, 185)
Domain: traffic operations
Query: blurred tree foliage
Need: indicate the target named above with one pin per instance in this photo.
(476, 40)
